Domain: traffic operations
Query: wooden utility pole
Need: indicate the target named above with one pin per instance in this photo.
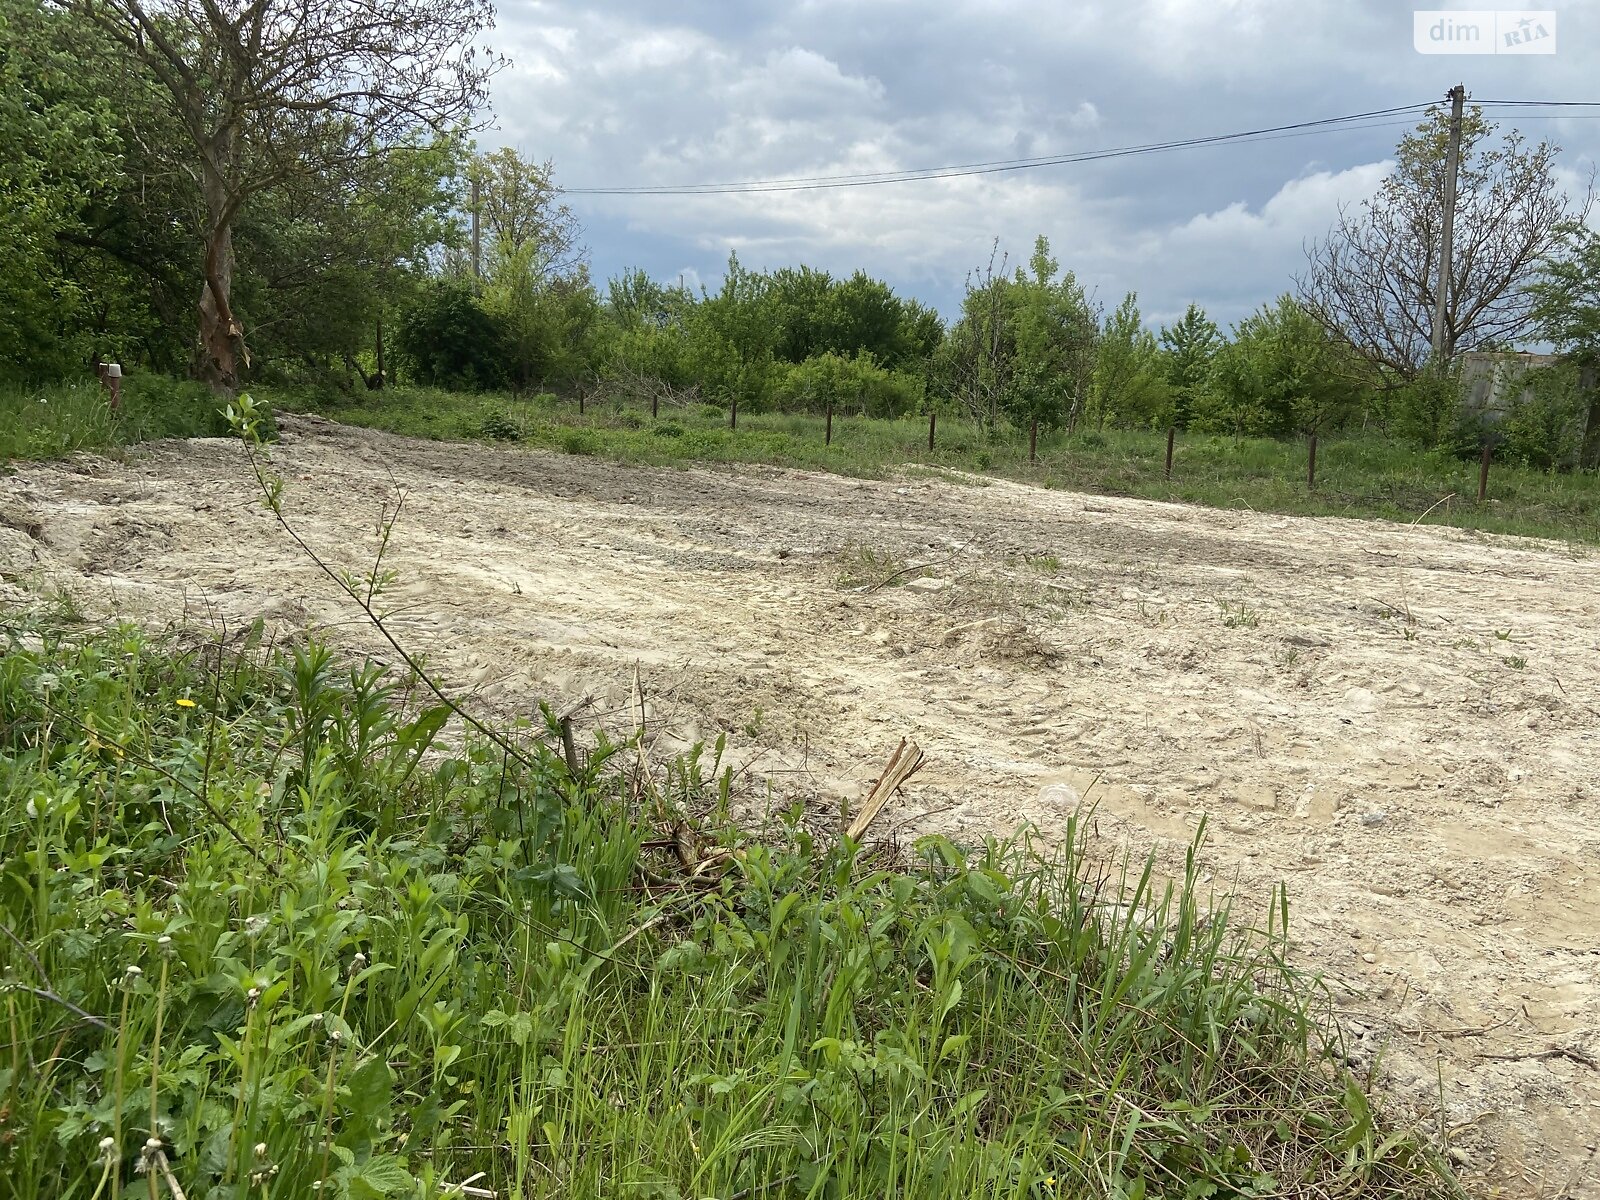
(1452, 167)
(477, 240)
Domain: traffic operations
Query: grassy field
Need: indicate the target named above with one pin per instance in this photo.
(276, 927)
(53, 422)
(1357, 475)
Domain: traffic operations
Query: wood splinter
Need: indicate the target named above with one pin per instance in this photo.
(905, 762)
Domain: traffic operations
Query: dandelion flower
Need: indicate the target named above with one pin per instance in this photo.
(185, 702)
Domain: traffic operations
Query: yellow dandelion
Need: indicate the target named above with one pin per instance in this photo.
(185, 702)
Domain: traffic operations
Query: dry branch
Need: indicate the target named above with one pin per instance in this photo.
(905, 762)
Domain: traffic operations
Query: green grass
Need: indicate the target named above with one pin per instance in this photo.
(55, 421)
(1357, 475)
(269, 922)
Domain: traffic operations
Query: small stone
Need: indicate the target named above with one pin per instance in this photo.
(1369, 958)
(1259, 796)
(1360, 700)
(1460, 1158)
(927, 584)
(1374, 817)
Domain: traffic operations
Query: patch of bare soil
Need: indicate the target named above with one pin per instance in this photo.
(1399, 724)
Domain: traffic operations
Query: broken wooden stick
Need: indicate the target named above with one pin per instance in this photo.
(905, 762)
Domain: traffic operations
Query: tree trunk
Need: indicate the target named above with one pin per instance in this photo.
(382, 377)
(221, 336)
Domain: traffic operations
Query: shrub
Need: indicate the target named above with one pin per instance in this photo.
(1543, 426)
(447, 340)
(579, 441)
(500, 425)
(856, 384)
(1427, 410)
(650, 352)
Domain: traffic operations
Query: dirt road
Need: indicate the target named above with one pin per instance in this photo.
(1400, 724)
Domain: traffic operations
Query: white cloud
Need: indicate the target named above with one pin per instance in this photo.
(633, 93)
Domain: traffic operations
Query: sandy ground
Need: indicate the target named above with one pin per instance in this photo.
(1399, 724)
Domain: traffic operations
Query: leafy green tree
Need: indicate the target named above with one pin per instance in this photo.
(1566, 313)
(58, 144)
(1130, 383)
(1024, 346)
(644, 345)
(1189, 348)
(323, 261)
(798, 302)
(922, 333)
(1057, 333)
(816, 314)
(1282, 373)
(864, 316)
(522, 214)
(634, 300)
(548, 325)
(733, 338)
(277, 90)
(1566, 294)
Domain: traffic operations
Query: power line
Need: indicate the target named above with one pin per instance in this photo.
(1537, 103)
(1375, 119)
(872, 178)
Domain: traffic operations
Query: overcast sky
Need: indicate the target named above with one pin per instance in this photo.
(650, 92)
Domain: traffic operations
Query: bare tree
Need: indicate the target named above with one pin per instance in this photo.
(1374, 279)
(270, 90)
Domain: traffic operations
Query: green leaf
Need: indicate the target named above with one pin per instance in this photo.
(968, 1102)
(782, 910)
(381, 1175)
(370, 1086)
(951, 999)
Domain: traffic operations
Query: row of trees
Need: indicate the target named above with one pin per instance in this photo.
(269, 187)
(1029, 343)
